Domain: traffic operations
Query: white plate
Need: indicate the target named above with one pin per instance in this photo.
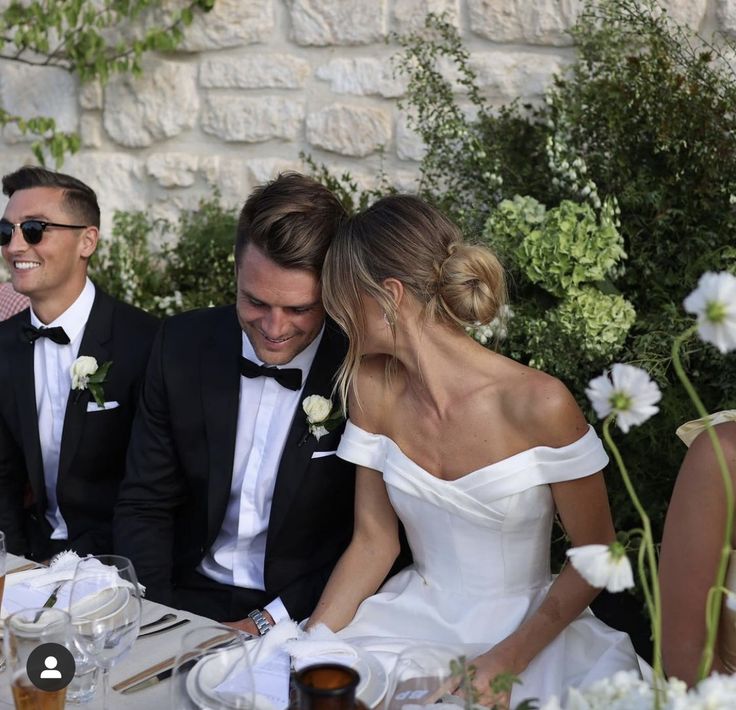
(373, 679)
(204, 678)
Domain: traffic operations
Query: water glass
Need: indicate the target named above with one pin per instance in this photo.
(24, 632)
(105, 610)
(212, 671)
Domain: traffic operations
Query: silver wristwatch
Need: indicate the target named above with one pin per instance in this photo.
(262, 623)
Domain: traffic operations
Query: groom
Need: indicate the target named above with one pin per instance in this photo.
(230, 507)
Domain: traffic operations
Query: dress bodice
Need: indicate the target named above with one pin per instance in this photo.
(499, 515)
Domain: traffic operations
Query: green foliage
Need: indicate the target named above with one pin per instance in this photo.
(91, 38)
(193, 268)
(562, 260)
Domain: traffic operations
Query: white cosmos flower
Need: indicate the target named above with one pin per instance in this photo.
(629, 393)
(714, 303)
(603, 566)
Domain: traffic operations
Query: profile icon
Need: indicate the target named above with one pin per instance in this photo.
(50, 667)
(50, 672)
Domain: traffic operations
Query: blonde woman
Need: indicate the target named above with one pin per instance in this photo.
(473, 452)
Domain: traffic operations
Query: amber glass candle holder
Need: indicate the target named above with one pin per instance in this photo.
(326, 686)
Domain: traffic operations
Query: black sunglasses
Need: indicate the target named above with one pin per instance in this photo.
(32, 229)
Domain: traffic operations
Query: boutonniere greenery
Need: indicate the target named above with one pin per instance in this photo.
(321, 416)
(88, 375)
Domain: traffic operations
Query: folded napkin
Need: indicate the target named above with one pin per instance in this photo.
(320, 645)
(32, 588)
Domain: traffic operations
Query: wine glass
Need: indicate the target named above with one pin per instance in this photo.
(105, 610)
(422, 676)
(212, 671)
(24, 632)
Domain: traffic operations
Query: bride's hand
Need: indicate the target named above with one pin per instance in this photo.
(489, 666)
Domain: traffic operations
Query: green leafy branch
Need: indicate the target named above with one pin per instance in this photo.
(92, 39)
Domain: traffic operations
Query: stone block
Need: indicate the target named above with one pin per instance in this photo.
(252, 119)
(409, 15)
(409, 144)
(270, 71)
(325, 22)
(117, 178)
(537, 22)
(230, 23)
(689, 12)
(91, 96)
(161, 103)
(362, 76)
(349, 130)
(172, 169)
(29, 91)
(508, 75)
(90, 131)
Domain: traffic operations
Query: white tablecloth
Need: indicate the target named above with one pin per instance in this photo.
(146, 652)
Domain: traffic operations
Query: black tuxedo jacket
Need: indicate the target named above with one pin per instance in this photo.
(93, 445)
(174, 496)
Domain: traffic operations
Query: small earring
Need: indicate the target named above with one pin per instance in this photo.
(385, 318)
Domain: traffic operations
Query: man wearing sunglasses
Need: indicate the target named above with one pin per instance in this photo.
(61, 453)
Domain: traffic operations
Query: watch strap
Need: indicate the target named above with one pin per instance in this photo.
(262, 623)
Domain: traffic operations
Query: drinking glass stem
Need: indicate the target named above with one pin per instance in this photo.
(105, 688)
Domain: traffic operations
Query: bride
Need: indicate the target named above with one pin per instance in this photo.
(473, 452)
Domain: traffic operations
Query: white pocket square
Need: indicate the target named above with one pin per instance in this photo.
(94, 407)
(322, 454)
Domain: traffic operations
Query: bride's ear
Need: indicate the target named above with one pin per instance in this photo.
(395, 289)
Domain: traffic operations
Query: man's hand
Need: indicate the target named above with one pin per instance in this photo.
(248, 625)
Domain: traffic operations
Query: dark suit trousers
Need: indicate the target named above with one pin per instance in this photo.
(221, 602)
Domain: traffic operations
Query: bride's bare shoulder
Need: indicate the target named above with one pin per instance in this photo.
(544, 406)
(373, 393)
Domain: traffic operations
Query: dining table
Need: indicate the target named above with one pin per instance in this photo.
(147, 651)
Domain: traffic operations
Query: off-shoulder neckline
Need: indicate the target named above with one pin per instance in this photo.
(513, 457)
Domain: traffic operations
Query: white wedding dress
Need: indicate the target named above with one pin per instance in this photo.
(481, 547)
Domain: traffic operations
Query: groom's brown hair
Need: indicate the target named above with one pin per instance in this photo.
(292, 220)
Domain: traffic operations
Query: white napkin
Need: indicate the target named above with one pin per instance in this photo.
(320, 645)
(270, 668)
(32, 588)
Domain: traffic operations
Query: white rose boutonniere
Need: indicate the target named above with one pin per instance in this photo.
(87, 374)
(320, 415)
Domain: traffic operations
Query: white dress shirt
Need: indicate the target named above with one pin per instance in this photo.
(265, 413)
(51, 373)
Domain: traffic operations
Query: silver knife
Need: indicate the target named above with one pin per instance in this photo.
(153, 632)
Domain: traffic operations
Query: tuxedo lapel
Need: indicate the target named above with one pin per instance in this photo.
(25, 395)
(96, 344)
(219, 381)
(300, 444)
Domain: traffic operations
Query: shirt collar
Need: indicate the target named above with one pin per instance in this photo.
(303, 360)
(74, 318)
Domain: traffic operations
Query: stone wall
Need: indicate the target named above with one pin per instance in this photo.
(258, 81)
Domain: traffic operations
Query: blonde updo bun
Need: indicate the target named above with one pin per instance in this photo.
(405, 238)
(471, 287)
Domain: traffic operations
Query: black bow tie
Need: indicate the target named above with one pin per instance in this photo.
(57, 334)
(289, 377)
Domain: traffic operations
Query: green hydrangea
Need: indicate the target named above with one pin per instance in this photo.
(571, 247)
(599, 322)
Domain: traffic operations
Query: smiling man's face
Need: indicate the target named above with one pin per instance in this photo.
(54, 270)
(279, 309)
